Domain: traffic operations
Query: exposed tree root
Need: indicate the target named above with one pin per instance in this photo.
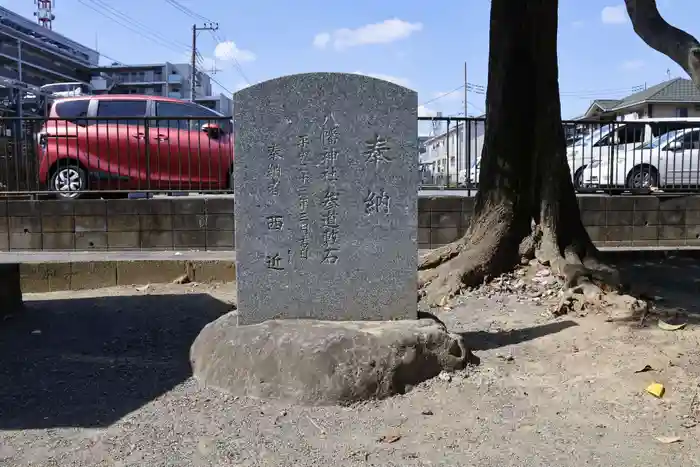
(485, 251)
(442, 254)
(588, 282)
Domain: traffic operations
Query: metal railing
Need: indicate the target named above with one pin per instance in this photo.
(448, 157)
(115, 157)
(107, 157)
(644, 155)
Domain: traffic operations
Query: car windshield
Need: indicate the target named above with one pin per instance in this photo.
(594, 137)
(574, 141)
(661, 140)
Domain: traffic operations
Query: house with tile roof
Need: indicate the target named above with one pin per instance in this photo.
(677, 97)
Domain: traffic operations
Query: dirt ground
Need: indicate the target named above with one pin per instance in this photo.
(102, 378)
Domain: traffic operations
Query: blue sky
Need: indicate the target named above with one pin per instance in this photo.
(421, 45)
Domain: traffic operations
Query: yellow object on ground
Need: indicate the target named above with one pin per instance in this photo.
(656, 389)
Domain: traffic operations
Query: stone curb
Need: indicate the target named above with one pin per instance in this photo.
(64, 275)
(70, 275)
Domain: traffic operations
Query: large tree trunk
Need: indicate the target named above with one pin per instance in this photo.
(526, 203)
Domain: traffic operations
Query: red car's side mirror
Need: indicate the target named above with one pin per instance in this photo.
(212, 129)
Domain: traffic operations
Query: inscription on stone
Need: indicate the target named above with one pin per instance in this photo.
(326, 198)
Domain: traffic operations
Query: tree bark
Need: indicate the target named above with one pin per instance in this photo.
(526, 197)
(675, 43)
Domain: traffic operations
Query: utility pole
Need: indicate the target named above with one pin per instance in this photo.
(466, 134)
(465, 89)
(20, 98)
(195, 30)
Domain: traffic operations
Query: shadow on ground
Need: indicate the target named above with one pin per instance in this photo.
(484, 340)
(88, 362)
(673, 282)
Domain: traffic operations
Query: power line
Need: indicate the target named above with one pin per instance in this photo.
(153, 38)
(108, 57)
(476, 107)
(144, 27)
(220, 85)
(189, 12)
(194, 15)
(236, 63)
(480, 89)
(459, 88)
(589, 91)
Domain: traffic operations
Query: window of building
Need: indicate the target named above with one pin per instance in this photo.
(682, 112)
(119, 110)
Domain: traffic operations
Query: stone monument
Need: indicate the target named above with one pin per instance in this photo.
(326, 192)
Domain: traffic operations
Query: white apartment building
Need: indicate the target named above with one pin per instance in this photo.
(450, 153)
(160, 79)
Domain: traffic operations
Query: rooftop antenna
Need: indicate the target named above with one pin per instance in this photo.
(44, 13)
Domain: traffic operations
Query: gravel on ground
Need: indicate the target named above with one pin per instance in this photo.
(102, 378)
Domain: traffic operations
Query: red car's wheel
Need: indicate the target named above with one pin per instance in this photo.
(68, 181)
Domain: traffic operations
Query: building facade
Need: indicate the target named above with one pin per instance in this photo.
(677, 97)
(220, 103)
(35, 55)
(450, 154)
(159, 79)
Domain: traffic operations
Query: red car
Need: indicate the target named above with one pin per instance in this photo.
(134, 143)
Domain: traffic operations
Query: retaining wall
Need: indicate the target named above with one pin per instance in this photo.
(124, 224)
(207, 224)
(666, 221)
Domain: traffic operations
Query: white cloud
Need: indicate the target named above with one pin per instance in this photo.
(392, 79)
(321, 40)
(424, 111)
(228, 51)
(578, 24)
(614, 14)
(385, 32)
(632, 65)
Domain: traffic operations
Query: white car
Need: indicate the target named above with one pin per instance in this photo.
(669, 160)
(607, 142)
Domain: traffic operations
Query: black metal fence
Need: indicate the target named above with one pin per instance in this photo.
(107, 157)
(643, 155)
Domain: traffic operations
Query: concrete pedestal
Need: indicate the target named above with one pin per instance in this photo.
(10, 289)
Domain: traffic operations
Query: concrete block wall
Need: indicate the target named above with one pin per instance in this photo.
(208, 224)
(442, 220)
(84, 225)
(664, 220)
